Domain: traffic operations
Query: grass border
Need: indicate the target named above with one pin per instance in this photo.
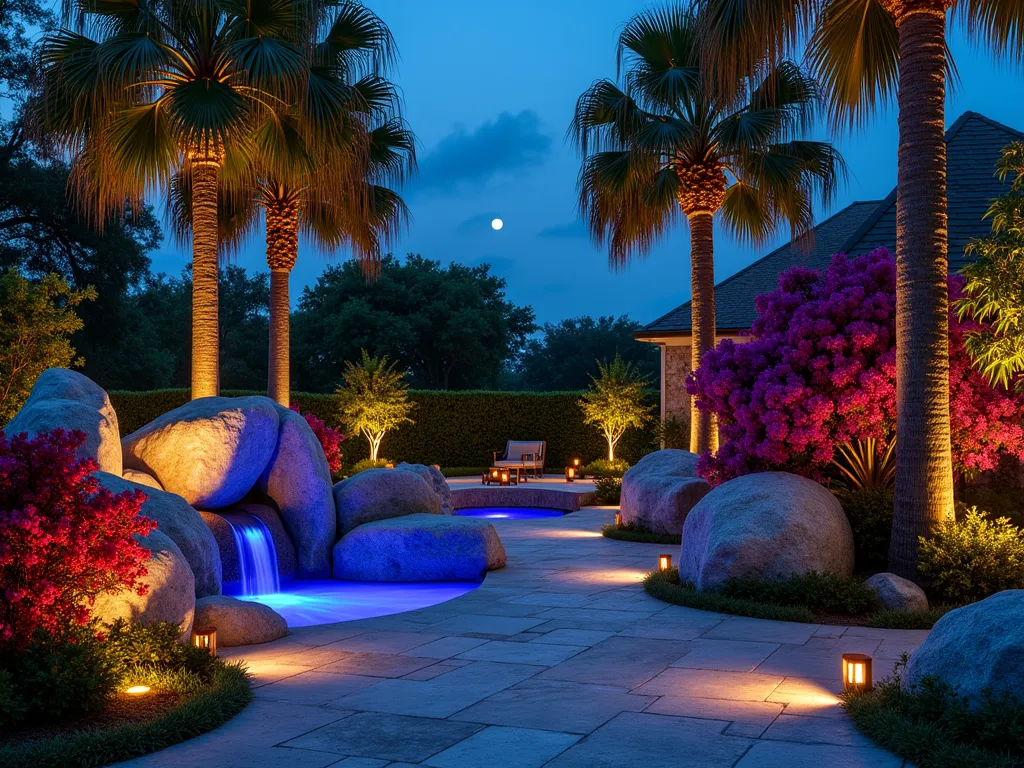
(210, 708)
(665, 586)
(624, 533)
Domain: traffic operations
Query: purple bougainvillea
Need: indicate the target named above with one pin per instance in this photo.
(820, 369)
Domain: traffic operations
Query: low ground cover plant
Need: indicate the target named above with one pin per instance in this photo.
(633, 532)
(609, 490)
(606, 468)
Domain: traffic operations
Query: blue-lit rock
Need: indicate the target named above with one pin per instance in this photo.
(239, 622)
(419, 548)
(379, 494)
(436, 481)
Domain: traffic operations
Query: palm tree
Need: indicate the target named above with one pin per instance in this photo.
(865, 52)
(660, 144)
(138, 90)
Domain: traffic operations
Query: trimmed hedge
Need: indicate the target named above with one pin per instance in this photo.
(452, 429)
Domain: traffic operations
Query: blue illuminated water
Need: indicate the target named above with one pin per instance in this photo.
(509, 513)
(257, 558)
(307, 603)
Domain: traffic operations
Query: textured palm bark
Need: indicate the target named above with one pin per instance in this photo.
(924, 475)
(205, 331)
(703, 435)
(282, 253)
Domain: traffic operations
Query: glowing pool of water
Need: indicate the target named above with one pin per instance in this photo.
(509, 513)
(306, 603)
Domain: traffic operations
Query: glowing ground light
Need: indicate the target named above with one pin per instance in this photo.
(137, 690)
(497, 224)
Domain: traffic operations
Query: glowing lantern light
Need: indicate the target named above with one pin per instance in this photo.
(570, 474)
(664, 562)
(857, 672)
(137, 690)
(206, 639)
(618, 519)
(506, 478)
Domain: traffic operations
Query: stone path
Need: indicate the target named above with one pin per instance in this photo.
(558, 660)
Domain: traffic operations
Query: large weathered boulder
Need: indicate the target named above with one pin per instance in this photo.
(298, 479)
(380, 494)
(769, 525)
(975, 648)
(660, 490)
(239, 622)
(69, 400)
(222, 532)
(210, 451)
(897, 594)
(182, 525)
(141, 478)
(172, 592)
(419, 548)
(436, 480)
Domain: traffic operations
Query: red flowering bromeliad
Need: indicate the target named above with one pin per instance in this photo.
(64, 540)
(330, 439)
(820, 370)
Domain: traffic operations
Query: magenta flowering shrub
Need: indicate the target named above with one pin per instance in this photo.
(820, 370)
(330, 439)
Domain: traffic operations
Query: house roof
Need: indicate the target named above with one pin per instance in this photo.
(973, 145)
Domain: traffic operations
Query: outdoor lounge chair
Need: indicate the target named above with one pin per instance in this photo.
(527, 455)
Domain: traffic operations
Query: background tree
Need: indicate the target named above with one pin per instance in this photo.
(165, 87)
(659, 143)
(618, 401)
(36, 323)
(450, 327)
(867, 52)
(565, 357)
(374, 400)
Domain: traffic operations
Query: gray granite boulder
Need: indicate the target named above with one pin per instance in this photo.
(239, 622)
(283, 547)
(436, 480)
(172, 591)
(768, 525)
(69, 400)
(974, 648)
(379, 494)
(210, 451)
(659, 491)
(419, 548)
(298, 479)
(182, 525)
(897, 594)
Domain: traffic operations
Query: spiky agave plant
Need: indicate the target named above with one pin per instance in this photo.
(866, 463)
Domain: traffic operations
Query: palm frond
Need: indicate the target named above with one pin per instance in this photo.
(356, 40)
(997, 23)
(605, 118)
(659, 51)
(747, 214)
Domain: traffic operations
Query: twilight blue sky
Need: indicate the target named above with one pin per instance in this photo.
(489, 89)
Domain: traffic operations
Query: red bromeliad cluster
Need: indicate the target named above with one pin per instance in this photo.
(820, 370)
(330, 439)
(63, 539)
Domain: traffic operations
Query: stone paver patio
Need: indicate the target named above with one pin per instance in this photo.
(558, 660)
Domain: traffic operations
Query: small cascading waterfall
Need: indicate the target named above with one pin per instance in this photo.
(257, 558)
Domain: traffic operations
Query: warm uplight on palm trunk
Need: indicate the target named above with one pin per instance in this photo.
(205, 331)
(282, 253)
(702, 280)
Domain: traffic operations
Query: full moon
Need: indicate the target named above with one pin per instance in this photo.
(497, 224)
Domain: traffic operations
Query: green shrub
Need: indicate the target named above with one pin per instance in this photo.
(908, 619)
(12, 706)
(665, 585)
(132, 647)
(452, 429)
(818, 592)
(933, 726)
(609, 490)
(636, 533)
(973, 557)
(869, 511)
(605, 468)
(672, 432)
(365, 464)
(463, 471)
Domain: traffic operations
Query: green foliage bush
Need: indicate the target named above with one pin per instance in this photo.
(363, 464)
(818, 592)
(973, 557)
(605, 468)
(609, 490)
(452, 429)
(132, 647)
(665, 585)
(639, 534)
(869, 511)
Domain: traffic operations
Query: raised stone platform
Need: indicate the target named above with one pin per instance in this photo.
(550, 491)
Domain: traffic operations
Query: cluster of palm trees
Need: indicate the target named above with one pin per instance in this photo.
(231, 109)
(706, 120)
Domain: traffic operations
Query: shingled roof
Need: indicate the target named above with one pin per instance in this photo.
(973, 144)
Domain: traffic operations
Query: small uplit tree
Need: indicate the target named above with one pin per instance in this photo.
(374, 400)
(617, 401)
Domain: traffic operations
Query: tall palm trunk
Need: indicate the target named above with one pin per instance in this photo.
(205, 331)
(703, 436)
(282, 252)
(924, 474)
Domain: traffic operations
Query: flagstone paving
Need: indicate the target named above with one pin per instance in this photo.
(558, 660)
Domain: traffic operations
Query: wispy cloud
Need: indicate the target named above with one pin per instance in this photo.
(506, 144)
(572, 229)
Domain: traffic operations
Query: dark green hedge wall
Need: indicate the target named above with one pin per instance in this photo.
(453, 429)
